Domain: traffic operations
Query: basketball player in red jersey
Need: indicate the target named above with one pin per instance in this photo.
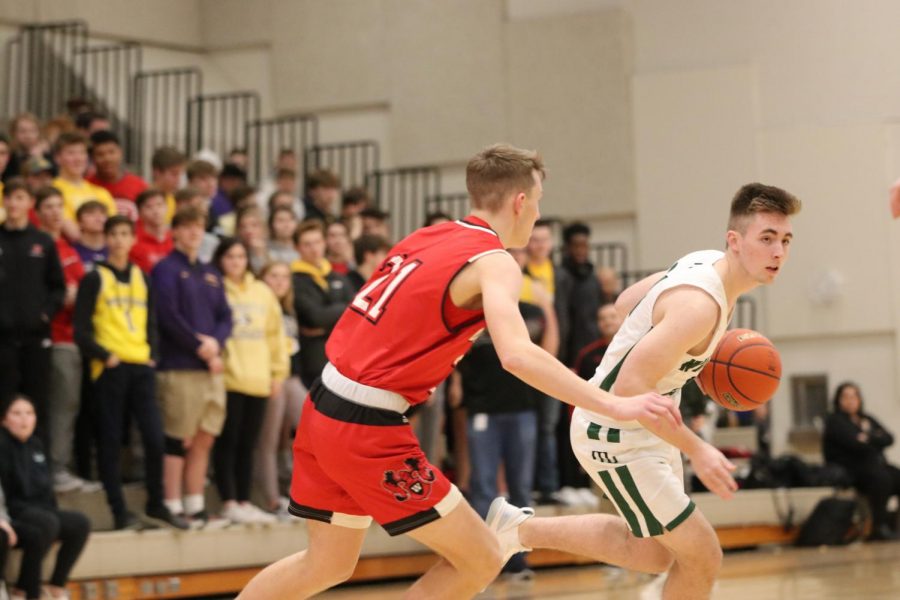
(355, 457)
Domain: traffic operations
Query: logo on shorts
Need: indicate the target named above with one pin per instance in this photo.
(414, 481)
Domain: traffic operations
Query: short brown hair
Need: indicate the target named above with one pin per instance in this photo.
(14, 185)
(322, 178)
(186, 195)
(200, 168)
(90, 206)
(499, 170)
(42, 194)
(69, 138)
(188, 215)
(167, 157)
(146, 195)
(307, 226)
(756, 198)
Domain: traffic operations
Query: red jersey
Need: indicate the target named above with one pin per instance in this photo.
(124, 191)
(402, 332)
(148, 250)
(61, 330)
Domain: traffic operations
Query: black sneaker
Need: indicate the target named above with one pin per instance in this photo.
(126, 521)
(203, 520)
(160, 515)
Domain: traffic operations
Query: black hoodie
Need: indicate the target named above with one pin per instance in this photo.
(25, 473)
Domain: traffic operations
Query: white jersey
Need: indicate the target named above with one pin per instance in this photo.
(696, 270)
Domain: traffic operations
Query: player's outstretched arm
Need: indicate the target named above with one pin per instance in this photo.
(499, 280)
(683, 318)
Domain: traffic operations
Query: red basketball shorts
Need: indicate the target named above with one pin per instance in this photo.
(353, 463)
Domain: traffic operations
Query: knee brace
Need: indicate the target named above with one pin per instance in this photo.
(174, 447)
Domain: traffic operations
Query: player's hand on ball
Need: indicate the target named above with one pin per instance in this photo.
(714, 470)
(651, 410)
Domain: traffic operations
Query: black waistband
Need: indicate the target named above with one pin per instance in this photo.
(331, 405)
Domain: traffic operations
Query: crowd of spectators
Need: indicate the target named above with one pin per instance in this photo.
(194, 310)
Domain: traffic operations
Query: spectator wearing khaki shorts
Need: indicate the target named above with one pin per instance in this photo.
(194, 323)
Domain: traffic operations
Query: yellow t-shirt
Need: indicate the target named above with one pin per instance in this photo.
(76, 194)
(170, 207)
(541, 272)
(120, 318)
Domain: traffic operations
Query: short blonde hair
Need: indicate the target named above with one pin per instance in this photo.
(499, 170)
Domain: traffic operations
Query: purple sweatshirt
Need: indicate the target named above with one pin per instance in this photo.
(190, 299)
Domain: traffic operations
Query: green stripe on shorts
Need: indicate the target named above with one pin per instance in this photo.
(593, 431)
(680, 518)
(653, 525)
(620, 502)
(613, 436)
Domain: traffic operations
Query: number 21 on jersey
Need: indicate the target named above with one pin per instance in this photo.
(373, 297)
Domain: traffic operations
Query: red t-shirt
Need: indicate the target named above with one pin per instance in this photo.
(147, 249)
(402, 332)
(124, 191)
(61, 330)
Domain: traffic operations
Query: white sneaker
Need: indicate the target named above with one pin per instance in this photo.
(504, 519)
(569, 496)
(235, 513)
(255, 514)
(588, 497)
(3, 594)
(63, 482)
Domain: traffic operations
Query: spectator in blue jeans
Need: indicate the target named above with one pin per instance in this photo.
(501, 415)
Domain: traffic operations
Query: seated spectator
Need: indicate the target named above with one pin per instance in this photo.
(194, 198)
(110, 174)
(369, 251)
(855, 440)
(241, 197)
(338, 247)
(252, 233)
(38, 173)
(610, 283)
(71, 156)
(32, 289)
(501, 409)
(323, 188)
(25, 133)
(355, 200)
(320, 297)
(376, 222)
(194, 322)
(231, 178)
(65, 360)
(281, 200)
(256, 365)
(91, 244)
(588, 358)
(118, 337)
(283, 409)
(285, 183)
(282, 226)
(167, 166)
(202, 176)
(36, 520)
(153, 235)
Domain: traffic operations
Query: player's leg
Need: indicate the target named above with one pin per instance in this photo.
(698, 558)
(605, 538)
(470, 556)
(329, 559)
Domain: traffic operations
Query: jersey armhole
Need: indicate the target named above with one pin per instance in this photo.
(696, 287)
(447, 300)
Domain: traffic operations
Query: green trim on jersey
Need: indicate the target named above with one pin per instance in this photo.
(610, 378)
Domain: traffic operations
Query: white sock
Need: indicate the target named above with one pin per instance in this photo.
(193, 503)
(175, 506)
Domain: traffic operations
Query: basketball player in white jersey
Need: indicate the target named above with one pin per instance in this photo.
(674, 322)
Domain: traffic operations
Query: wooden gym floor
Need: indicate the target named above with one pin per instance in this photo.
(858, 572)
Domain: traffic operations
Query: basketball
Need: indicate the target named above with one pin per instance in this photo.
(743, 372)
